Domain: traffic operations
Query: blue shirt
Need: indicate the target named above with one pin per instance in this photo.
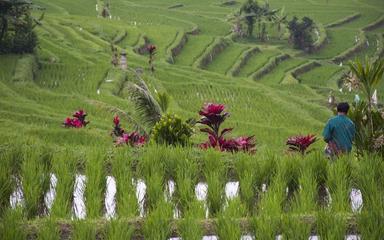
(340, 130)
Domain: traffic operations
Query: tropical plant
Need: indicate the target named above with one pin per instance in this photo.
(237, 27)
(369, 125)
(78, 120)
(300, 143)
(152, 52)
(301, 33)
(163, 100)
(146, 105)
(366, 76)
(213, 115)
(171, 130)
(117, 131)
(133, 139)
(250, 10)
(280, 19)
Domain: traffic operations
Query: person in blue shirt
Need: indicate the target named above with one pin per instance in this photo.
(339, 132)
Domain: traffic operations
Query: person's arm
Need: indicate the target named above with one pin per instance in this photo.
(327, 132)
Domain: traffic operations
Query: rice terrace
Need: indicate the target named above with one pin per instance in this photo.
(192, 119)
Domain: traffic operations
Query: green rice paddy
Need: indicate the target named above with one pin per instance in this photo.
(185, 188)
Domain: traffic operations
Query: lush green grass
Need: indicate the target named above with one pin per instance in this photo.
(256, 62)
(278, 73)
(225, 60)
(339, 40)
(320, 76)
(194, 48)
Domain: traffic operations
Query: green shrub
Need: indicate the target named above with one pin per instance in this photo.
(171, 130)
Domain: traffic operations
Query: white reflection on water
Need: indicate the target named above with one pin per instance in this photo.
(231, 190)
(170, 189)
(356, 200)
(352, 237)
(213, 237)
(17, 197)
(51, 194)
(201, 191)
(264, 187)
(247, 237)
(110, 202)
(141, 189)
(79, 209)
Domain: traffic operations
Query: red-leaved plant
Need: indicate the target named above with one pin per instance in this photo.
(78, 120)
(300, 143)
(134, 139)
(213, 115)
(152, 51)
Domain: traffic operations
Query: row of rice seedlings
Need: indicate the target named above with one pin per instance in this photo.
(250, 180)
(7, 186)
(268, 218)
(228, 227)
(152, 169)
(49, 230)
(35, 172)
(83, 230)
(319, 167)
(117, 230)
(306, 196)
(295, 228)
(126, 201)
(339, 184)
(186, 176)
(214, 173)
(289, 168)
(157, 225)
(268, 168)
(330, 225)
(95, 182)
(64, 167)
(11, 224)
(189, 226)
(370, 182)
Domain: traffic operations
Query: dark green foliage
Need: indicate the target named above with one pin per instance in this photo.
(366, 133)
(369, 121)
(16, 24)
(301, 33)
(249, 9)
(171, 130)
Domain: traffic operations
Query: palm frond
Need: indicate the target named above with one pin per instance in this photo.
(145, 104)
(163, 101)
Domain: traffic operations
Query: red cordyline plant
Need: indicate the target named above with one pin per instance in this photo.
(300, 143)
(78, 120)
(152, 52)
(213, 115)
(134, 139)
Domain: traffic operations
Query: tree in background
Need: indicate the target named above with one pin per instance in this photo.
(16, 26)
(279, 20)
(301, 33)
(250, 10)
